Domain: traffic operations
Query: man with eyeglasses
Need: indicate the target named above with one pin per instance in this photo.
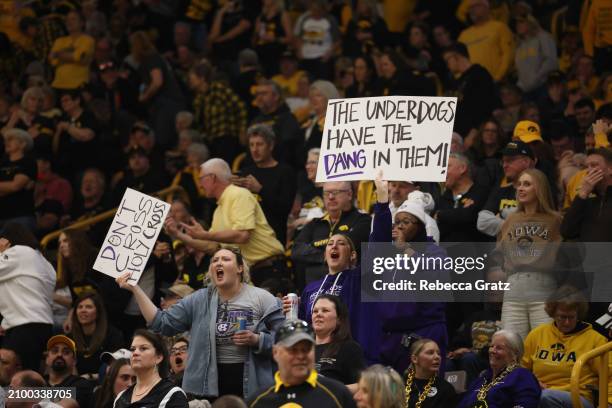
(237, 221)
(516, 157)
(178, 360)
(296, 383)
(341, 217)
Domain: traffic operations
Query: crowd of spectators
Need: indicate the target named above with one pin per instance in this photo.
(227, 99)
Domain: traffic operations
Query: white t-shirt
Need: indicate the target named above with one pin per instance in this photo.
(27, 283)
(317, 35)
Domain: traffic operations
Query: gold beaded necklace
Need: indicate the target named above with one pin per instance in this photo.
(484, 388)
(422, 395)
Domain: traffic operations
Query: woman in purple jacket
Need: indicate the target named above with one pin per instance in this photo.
(388, 328)
(505, 384)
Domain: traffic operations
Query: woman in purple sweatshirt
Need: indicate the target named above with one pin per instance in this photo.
(342, 280)
(387, 328)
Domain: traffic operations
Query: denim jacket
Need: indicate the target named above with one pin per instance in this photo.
(198, 313)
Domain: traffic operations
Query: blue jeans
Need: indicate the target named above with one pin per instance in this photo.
(559, 399)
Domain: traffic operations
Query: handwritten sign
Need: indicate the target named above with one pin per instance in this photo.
(132, 235)
(408, 137)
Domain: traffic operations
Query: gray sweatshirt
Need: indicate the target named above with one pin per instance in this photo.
(535, 57)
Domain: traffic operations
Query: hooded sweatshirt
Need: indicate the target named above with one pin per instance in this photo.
(551, 356)
(384, 324)
(535, 58)
(345, 284)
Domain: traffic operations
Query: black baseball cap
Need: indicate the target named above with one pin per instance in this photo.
(517, 148)
(292, 332)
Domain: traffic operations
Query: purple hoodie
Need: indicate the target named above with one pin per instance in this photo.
(385, 323)
(346, 285)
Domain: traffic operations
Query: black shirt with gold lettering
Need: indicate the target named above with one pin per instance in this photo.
(316, 391)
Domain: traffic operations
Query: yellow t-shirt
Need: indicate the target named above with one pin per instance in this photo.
(289, 86)
(551, 356)
(72, 75)
(572, 188)
(237, 209)
(397, 13)
(597, 31)
(490, 45)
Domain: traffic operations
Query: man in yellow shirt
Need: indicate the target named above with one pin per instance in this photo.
(490, 43)
(237, 221)
(597, 34)
(71, 55)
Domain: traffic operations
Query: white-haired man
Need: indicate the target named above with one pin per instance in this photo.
(237, 221)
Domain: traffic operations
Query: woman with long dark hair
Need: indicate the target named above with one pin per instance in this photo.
(364, 84)
(27, 282)
(337, 355)
(77, 256)
(150, 362)
(92, 333)
(119, 377)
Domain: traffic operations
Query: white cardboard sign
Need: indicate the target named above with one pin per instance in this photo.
(132, 235)
(408, 137)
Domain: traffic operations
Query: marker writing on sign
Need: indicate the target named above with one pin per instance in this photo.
(126, 245)
(342, 161)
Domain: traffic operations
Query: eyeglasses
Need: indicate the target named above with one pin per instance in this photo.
(177, 350)
(333, 193)
(202, 177)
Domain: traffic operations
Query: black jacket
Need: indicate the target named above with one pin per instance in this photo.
(289, 136)
(589, 220)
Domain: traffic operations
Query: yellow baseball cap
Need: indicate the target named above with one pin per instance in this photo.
(527, 131)
(61, 339)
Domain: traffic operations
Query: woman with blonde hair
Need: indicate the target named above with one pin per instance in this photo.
(29, 118)
(532, 66)
(231, 325)
(424, 388)
(380, 387)
(529, 246)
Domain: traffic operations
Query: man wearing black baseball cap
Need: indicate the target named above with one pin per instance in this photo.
(296, 382)
(516, 157)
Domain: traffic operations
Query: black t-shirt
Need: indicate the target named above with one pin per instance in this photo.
(89, 362)
(477, 98)
(243, 10)
(170, 88)
(307, 190)
(345, 366)
(84, 389)
(457, 223)
(46, 129)
(276, 196)
(76, 155)
(154, 397)
(19, 203)
(441, 394)
(501, 198)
